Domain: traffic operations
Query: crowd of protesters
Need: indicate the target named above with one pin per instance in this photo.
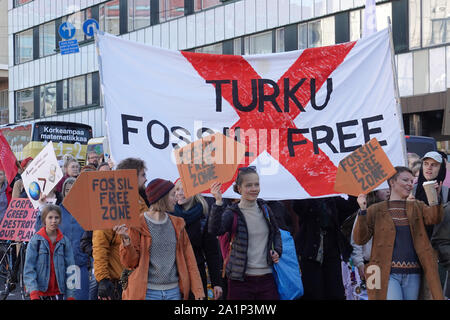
(179, 252)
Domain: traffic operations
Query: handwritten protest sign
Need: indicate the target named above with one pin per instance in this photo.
(213, 158)
(100, 200)
(363, 170)
(42, 174)
(19, 220)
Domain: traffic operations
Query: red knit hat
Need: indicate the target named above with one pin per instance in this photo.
(24, 162)
(157, 189)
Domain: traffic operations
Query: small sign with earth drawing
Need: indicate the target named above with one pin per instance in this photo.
(42, 175)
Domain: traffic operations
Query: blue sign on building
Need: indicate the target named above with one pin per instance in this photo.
(69, 46)
(89, 27)
(66, 30)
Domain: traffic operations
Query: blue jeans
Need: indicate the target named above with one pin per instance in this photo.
(403, 286)
(171, 294)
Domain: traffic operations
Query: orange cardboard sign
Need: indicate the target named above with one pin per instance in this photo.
(100, 200)
(214, 158)
(363, 170)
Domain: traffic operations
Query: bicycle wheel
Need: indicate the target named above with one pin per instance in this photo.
(23, 292)
(5, 274)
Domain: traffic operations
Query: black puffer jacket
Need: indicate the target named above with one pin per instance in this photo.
(221, 221)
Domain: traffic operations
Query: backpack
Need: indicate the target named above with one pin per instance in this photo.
(226, 241)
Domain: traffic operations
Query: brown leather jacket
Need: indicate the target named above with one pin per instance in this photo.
(377, 223)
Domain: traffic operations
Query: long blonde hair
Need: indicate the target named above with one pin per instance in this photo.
(198, 198)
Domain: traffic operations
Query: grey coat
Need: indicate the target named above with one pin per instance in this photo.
(221, 221)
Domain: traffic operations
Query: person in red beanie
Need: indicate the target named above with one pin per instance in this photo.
(18, 189)
(48, 260)
(159, 251)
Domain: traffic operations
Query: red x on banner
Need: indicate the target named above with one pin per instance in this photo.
(314, 63)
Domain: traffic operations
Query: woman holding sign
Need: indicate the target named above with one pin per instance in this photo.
(253, 235)
(159, 251)
(194, 211)
(401, 250)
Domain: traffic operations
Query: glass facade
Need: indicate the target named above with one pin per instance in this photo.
(138, 14)
(4, 109)
(259, 43)
(25, 104)
(215, 49)
(47, 103)
(109, 17)
(170, 9)
(424, 69)
(435, 22)
(79, 91)
(47, 39)
(23, 46)
(205, 4)
(20, 2)
(429, 23)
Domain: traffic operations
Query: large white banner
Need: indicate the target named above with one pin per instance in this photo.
(299, 112)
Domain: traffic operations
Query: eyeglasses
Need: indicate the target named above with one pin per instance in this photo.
(249, 168)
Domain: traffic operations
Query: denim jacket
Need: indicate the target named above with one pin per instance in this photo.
(37, 264)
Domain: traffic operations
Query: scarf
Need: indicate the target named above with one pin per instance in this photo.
(191, 215)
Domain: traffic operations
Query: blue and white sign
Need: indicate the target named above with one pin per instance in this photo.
(89, 27)
(66, 30)
(69, 46)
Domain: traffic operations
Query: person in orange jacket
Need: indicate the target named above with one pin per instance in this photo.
(159, 251)
(105, 243)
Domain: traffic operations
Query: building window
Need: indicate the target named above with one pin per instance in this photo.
(4, 109)
(205, 4)
(258, 43)
(47, 103)
(355, 25)
(279, 40)
(214, 48)
(24, 46)
(383, 11)
(437, 69)
(170, 9)
(77, 92)
(420, 72)
(303, 36)
(405, 74)
(109, 17)
(435, 22)
(316, 33)
(47, 39)
(138, 14)
(25, 104)
(414, 24)
(18, 3)
(77, 20)
(237, 46)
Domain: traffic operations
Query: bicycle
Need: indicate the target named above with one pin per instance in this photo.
(11, 268)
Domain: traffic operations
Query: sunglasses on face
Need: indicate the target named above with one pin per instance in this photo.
(249, 168)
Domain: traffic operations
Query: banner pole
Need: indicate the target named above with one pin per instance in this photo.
(397, 93)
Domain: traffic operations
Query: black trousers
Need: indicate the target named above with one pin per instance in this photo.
(322, 281)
